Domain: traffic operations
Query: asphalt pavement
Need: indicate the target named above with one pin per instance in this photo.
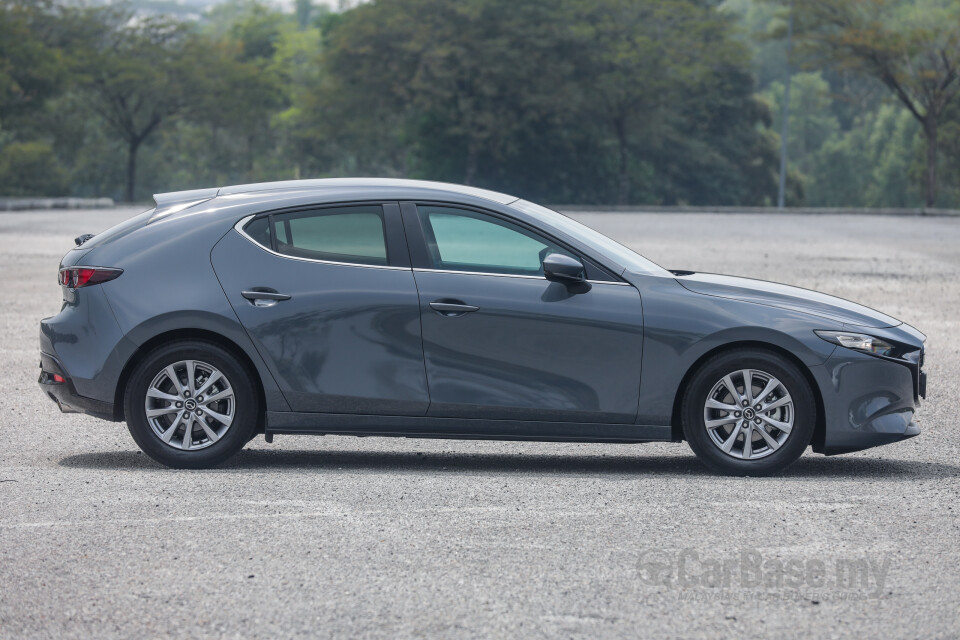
(376, 537)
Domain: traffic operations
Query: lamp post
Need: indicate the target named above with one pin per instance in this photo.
(784, 125)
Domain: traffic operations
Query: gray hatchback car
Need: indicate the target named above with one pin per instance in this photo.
(376, 307)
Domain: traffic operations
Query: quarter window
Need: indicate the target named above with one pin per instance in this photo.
(347, 234)
(259, 230)
(462, 240)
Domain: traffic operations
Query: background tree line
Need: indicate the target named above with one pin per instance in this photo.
(576, 101)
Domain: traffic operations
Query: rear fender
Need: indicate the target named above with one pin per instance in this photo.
(182, 323)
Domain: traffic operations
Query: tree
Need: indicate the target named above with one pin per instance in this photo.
(296, 67)
(138, 73)
(30, 169)
(871, 165)
(950, 132)
(628, 68)
(472, 74)
(913, 48)
(812, 121)
(719, 148)
(304, 9)
(761, 24)
(597, 100)
(497, 69)
(358, 116)
(648, 66)
(31, 66)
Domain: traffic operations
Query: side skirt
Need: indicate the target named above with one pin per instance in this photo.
(460, 428)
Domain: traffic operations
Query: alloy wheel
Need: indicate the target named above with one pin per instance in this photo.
(748, 414)
(190, 405)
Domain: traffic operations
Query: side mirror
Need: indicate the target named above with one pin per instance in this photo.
(558, 267)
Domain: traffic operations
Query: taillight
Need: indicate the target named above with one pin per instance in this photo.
(76, 277)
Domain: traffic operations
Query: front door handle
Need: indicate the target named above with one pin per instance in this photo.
(263, 297)
(452, 308)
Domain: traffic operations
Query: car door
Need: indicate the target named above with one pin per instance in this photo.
(500, 341)
(329, 299)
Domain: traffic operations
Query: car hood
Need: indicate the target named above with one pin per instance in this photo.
(784, 297)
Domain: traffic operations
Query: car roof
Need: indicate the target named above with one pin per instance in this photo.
(165, 200)
(237, 202)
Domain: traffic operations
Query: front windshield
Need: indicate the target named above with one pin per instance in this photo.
(614, 250)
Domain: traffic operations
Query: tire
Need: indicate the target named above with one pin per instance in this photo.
(163, 434)
(793, 410)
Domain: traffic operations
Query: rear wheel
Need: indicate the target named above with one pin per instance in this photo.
(748, 412)
(191, 404)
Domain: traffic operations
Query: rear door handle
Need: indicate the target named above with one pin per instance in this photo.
(263, 297)
(451, 308)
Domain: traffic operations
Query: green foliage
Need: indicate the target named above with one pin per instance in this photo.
(580, 101)
(912, 48)
(950, 147)
(761, 26)
(31, 66)
(136, 73)
(31, 169)
(870, 165)
(812, 124)
(608, 100)
(812, 121)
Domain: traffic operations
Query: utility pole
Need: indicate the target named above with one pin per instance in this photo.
(786, 114)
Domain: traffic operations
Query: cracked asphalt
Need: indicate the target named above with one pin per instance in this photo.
(336, 536)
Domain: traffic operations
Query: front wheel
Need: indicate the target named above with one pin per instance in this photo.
(748, 412)
(191, 405)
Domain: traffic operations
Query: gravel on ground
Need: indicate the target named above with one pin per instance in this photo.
(376, 537)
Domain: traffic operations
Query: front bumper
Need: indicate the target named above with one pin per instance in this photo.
(867, 401)
(65, 395)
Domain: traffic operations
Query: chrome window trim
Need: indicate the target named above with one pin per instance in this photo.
(542, 235)
(243, 222)
(510, 275)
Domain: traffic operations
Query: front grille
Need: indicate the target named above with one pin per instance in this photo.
(922, 378)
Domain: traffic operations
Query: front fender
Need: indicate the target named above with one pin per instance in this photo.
(681, 327)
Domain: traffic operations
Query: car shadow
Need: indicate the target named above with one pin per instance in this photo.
(810, 466)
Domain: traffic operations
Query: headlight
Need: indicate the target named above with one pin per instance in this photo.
(859, 342)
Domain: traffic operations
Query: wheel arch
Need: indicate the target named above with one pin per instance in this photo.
(819, 431)
(202, 335)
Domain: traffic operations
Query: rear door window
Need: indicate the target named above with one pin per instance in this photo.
(352, 234)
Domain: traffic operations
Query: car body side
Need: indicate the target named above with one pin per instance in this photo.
(170, 289)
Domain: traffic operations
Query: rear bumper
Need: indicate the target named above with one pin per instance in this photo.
(65, 395)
